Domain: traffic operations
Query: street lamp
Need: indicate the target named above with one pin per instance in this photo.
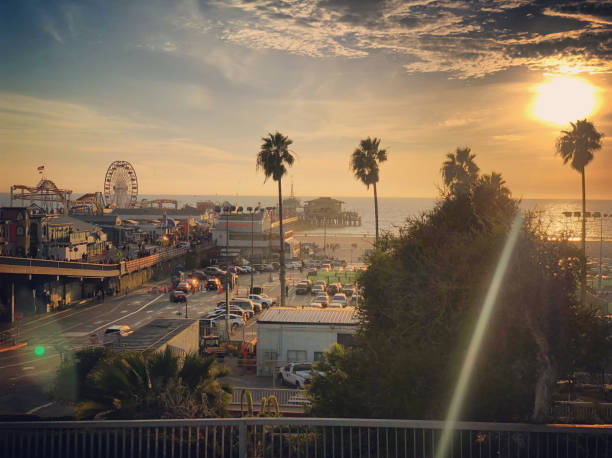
(227, 307)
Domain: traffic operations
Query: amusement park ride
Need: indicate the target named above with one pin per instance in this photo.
(120, 191)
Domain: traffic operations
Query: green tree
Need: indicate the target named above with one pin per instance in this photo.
(423, 292)
(577, 147)
(273, 158)
(131, 385)
(365, 164)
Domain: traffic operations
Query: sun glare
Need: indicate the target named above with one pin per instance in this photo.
(563, 99)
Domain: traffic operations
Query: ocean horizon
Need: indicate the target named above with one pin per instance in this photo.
(393, 211)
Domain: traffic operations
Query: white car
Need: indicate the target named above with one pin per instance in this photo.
(263, 300)
(335, 305)
(235, 320)
(340, 298)
(296, 374)
(318, 305)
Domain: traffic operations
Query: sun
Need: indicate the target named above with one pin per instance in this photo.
(562, 99)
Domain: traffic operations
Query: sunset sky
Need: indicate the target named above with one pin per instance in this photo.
(185, 90)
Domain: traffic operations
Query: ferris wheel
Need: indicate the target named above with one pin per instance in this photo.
(121, 185)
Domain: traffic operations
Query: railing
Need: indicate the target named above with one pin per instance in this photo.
(148, 261)
(284, 437)
(30, 262)
(285, 397)
(583, 410)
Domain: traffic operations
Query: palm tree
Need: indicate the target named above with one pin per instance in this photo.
(460, 172)
(365, 163)
(577, 145)
(273, 158)
(131, 385)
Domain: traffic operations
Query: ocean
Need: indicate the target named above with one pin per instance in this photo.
(393, 211)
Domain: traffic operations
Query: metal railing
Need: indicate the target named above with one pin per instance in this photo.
(583, 410)
(147, 261)
(31, 262)
(307, 437)
(285, 397)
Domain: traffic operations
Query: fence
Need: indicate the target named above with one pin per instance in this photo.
(285, 397)
(285, 437)
(148, 261)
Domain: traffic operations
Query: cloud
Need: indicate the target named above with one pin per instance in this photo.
(464, 39)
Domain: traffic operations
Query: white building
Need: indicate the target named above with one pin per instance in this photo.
(286, 334)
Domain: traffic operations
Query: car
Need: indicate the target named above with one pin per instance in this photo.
(235, 320)
(183, 286)
(275, 265)
(245, 304)
(193, 283)
(257, 290)
(340, 298)
(326, 267)
(322, 283)
(323, 298)
(314, 304)
(116, 332)
(262, 299)
(233, 310)
(214, 271)
(348, 289)
(303, 287)
(241, 270)
(268, 268)
(186, 245)
(213, 284)
(178, 296)
(296, 374)
(335, 305)
(317, 289)
(312, 272)
(334, 288)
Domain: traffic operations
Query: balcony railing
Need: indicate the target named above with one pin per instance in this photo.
(307, 437)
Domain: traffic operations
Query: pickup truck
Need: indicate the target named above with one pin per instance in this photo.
(296, 374)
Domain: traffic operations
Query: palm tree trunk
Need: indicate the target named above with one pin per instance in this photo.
(584, 264)
(282, 244)
(376, 211)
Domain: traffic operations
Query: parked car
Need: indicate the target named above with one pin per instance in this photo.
(316, 304)
(317, 289)
(323, 298)
(246, 304)
(235, 320)
(183, 286)
(296, 374)
(178, 296)
(339, 298)
(198, 274)
(262, 299)
(116, 332)
(233, 310)
(334, 288)
(348, 289)
(214, 271)
(303, 287)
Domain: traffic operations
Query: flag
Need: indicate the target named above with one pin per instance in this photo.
(41, 169)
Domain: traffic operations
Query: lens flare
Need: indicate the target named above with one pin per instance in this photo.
(39, 350)
(474, 347)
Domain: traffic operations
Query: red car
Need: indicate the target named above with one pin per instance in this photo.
(178, 296)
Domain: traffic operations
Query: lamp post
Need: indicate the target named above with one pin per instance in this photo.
(227, 307)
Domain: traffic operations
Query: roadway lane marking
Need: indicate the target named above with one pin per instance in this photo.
(123, 311)
(98, 322)
(150, 311)
(28, 368)
(36, 409)
(129, 314)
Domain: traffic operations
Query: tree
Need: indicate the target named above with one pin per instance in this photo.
(365, 164)
(459, 171)
(273, 158)
(423, 293)
(578, 145)
(132, 385)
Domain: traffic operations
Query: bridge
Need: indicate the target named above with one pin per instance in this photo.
(28, 266)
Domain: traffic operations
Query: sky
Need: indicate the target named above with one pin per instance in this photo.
(185, 90)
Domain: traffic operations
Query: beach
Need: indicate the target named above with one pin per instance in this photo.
(342, 246)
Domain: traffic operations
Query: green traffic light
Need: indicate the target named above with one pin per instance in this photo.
(39, 350)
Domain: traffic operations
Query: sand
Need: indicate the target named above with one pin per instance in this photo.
(348, 247)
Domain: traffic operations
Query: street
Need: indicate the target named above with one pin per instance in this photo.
(28, 373)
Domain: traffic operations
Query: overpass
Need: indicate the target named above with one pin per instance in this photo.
(28, 266)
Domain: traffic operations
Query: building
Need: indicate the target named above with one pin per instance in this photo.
(286, 334)
(326, 211)
(19, 231)
(181, 335)
(248, 231)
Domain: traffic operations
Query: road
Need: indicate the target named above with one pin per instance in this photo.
(28, 373)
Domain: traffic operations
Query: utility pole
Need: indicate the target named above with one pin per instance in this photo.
(227, 307)
(13, 301)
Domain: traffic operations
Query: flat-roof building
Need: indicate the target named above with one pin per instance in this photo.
(181, 335)
(286, 334)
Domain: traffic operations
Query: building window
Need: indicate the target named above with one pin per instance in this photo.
(296, 355)
(270, 356)
(346, 340)
(318, 355)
